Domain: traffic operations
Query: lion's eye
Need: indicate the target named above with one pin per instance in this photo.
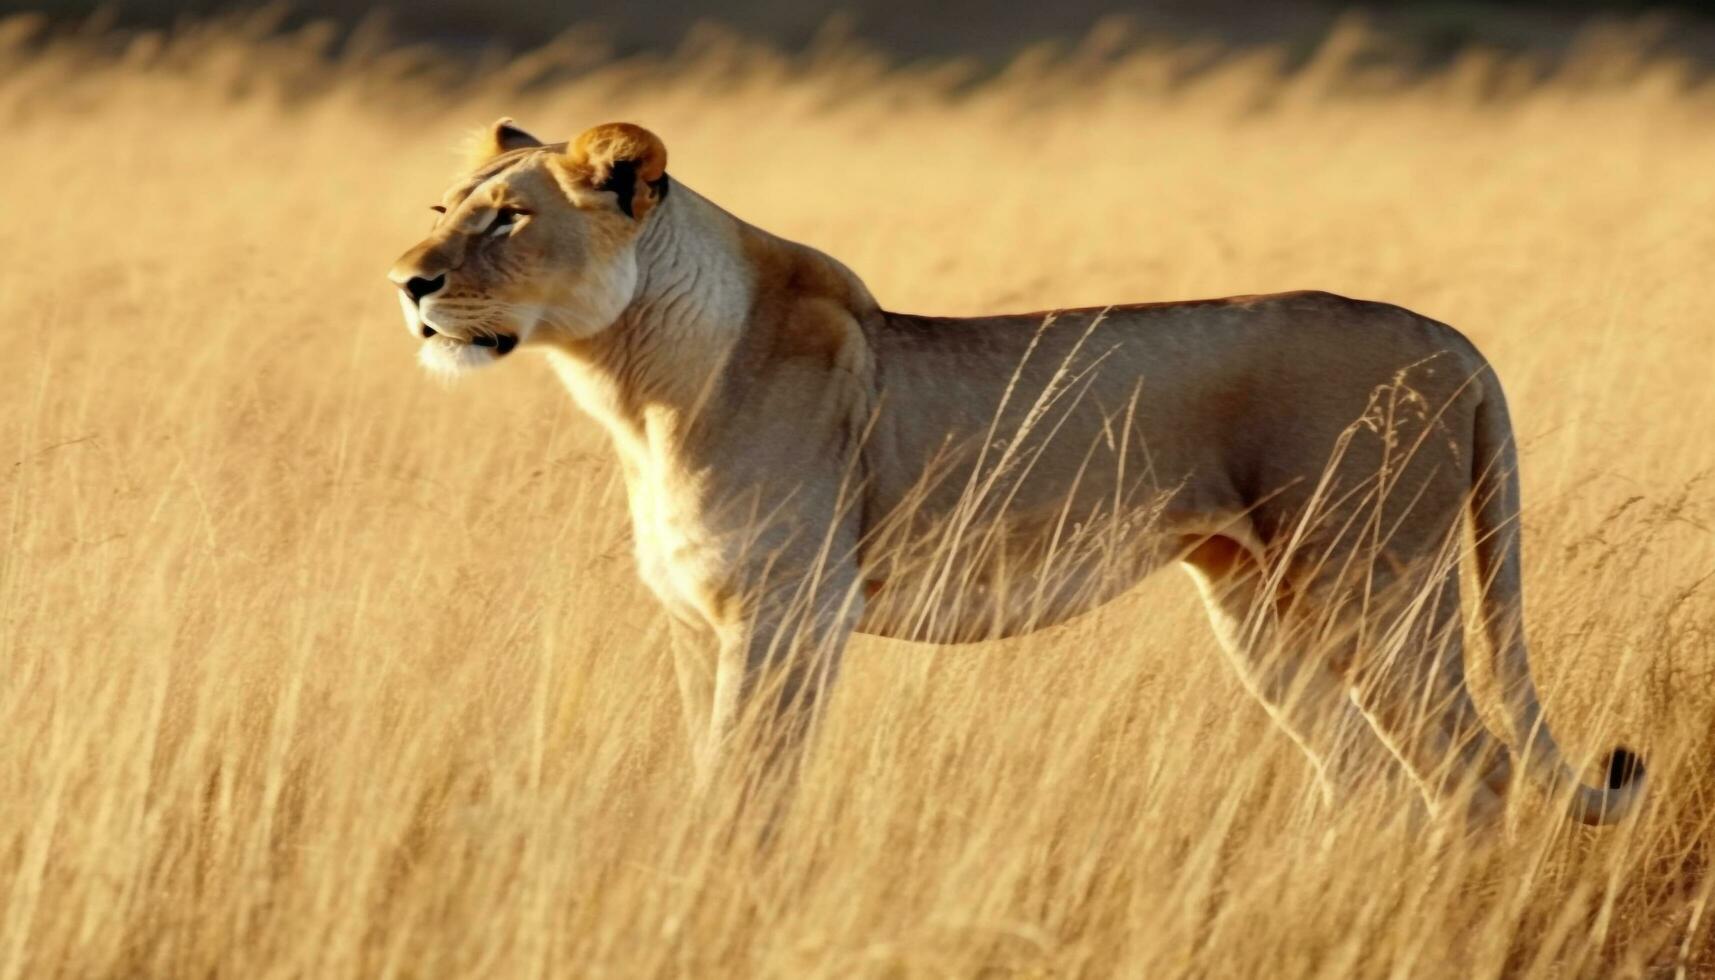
(504, 219)
(438, 208)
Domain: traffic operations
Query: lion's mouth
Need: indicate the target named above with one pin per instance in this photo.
(502, 343)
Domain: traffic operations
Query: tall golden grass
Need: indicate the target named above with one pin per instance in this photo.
(312, 668)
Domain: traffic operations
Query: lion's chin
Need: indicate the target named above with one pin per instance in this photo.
(447, 357)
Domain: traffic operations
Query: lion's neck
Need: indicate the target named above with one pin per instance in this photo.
(654, 367)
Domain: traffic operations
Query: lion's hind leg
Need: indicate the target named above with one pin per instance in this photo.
(1410, 685)
(1307, 699)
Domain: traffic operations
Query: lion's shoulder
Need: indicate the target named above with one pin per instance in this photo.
(805, 304)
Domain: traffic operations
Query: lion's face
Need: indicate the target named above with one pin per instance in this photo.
(535, 246)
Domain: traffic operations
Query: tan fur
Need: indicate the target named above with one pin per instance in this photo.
(802, 464)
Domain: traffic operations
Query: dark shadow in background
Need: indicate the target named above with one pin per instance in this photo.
(991, 33)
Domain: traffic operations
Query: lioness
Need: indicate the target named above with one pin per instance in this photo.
(802, 463)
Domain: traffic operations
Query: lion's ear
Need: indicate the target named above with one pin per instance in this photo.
(502, 137)
(627, 160)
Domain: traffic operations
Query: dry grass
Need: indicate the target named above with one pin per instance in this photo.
(311, 668)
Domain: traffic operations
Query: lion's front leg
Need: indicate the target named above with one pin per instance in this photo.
(695, 656)
(774, 672)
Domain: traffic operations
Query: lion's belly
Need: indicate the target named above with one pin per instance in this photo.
(1000, 585)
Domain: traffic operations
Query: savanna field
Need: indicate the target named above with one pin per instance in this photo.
(313, 667)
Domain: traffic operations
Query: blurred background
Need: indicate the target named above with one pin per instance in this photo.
(986, 31)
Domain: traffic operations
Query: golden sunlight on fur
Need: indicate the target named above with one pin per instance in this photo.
(960, 479)
(315, 667)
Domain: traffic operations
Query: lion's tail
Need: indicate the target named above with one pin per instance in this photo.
(1494, 515)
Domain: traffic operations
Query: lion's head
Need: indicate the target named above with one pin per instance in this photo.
(536, 243)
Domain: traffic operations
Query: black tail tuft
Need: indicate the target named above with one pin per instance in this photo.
(1624, 768)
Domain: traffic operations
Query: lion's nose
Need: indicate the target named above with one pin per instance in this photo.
(417, 287)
